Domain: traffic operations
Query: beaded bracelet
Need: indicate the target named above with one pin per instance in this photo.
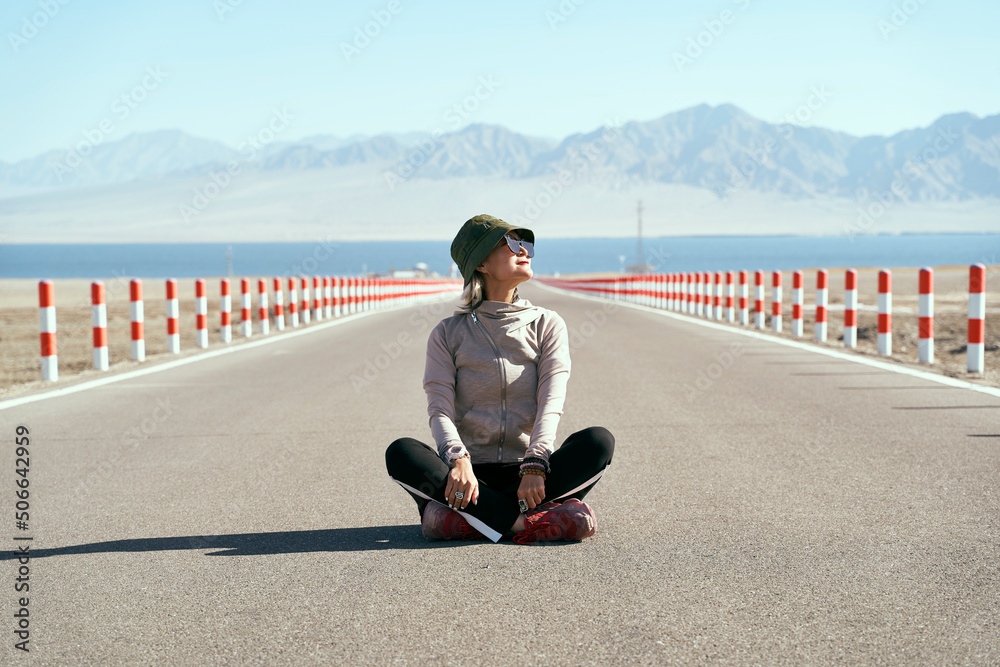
(534, 461)
(532, 471)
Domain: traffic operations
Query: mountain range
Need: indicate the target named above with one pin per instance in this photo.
(720, 149)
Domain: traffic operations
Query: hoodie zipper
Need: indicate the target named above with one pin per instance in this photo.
(503, 388)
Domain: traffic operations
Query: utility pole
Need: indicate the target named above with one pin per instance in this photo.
(640, 258)
(640, 265)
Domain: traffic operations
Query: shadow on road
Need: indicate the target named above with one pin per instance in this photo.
(373, 538)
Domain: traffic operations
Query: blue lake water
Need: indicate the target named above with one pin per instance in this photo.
(667, 254)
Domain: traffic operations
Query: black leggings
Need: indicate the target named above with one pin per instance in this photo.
(576, 467)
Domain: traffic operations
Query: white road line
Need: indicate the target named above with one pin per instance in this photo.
(902, 370)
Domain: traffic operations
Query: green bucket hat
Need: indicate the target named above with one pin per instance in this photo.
(477, 238)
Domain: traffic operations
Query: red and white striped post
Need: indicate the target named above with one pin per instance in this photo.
(730, 309)
(851, 308)
(225, 311)
(173, 317)
(99, 317)
(327, 297)
(304, 314)
(704, 290)
(246, 318)
(262, 310)
(709, 295)
(718, 295)
(797, 293)
(744, 304)
(317, 300)
(337, 286)
(293, 303)
(698, 292)
(758, 281)
(822, 301)
(138, 319)
(47, 325)
(693, 279)
(976, 349)
(689, 293)
(885, 312)
(925, 312)
(201, 313)
(279, 305)
(776, 301)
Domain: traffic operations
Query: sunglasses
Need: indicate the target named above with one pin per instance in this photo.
(516, 246)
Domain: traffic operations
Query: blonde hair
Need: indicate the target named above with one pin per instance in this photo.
(475, 293)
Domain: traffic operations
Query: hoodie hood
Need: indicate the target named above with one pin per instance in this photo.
(503, 317)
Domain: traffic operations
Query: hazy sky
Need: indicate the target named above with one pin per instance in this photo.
(220, 68)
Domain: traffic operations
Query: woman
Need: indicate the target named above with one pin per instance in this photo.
(495, 380)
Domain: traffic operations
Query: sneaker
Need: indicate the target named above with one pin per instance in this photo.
(442, 523)
(573, 521)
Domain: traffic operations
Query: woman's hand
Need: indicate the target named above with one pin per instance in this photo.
(462, 479)
(532, 490)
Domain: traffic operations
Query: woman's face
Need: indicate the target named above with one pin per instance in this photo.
(502, 265)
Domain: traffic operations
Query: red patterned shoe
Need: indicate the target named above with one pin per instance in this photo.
(574, 520)
(441, 523)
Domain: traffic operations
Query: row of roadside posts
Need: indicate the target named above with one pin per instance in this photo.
(725, 296)
(332, 297)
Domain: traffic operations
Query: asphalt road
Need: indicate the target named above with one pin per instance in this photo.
(766, 505)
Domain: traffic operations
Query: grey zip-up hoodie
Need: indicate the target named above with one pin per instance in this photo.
(496, 381)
